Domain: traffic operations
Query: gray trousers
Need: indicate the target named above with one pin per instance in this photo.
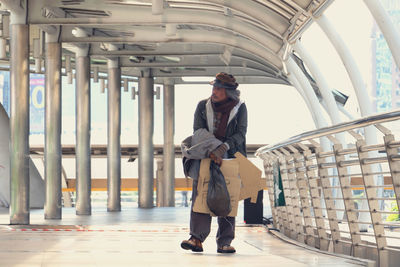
(200, 224)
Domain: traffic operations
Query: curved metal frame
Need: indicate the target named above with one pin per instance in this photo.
(345, 126)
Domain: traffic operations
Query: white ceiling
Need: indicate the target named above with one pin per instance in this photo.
(248, 38)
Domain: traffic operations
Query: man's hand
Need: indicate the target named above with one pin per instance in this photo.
(217, 160)
(217, 154)
(220, 151)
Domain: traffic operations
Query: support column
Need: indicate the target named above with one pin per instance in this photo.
(146, 148)
(295, 83)
(308, 91)
(52, 156)
(83, 166)
(325, 89)
(19, 124)
(169, 147)
(353, 71)
(345, 112)
(113, 136)
(311, 98)
(329, 101)
(361, 93)
(304, 87)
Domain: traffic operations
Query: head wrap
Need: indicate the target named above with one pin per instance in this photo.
(225, 80)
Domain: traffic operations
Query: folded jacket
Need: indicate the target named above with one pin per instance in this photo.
(197, 147)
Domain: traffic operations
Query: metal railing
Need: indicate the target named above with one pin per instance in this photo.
(311, 194)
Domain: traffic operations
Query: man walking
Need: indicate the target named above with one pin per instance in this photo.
(225, 116)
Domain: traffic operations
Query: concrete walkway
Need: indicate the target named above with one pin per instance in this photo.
(141, 237)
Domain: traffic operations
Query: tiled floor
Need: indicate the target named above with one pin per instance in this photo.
(140, 237)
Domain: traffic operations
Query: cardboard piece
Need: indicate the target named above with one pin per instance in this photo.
(251, 178)
(242, 177)
(230, 170)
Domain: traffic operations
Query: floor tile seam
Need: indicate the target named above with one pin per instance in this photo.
(108, 230)
(94, 230)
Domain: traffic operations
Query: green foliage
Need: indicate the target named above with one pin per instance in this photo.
(393, 217)
(358, 194)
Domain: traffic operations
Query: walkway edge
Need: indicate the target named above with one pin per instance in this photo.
(364, 262)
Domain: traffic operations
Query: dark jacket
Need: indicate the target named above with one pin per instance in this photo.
(235, 135)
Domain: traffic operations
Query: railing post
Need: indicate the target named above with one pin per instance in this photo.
(335, 163)
(289, 221)
(300, 182)
(394, 166)
(344, 180)
(294, 195)
(323, 175)
(315, 198)
(370, 192)
(268, 169)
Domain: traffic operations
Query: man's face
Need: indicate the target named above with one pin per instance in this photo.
(218, 94)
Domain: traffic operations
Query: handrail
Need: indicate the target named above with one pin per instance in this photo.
(312, 193)
(345, 126)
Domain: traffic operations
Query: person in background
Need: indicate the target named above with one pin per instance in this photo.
(224, 115)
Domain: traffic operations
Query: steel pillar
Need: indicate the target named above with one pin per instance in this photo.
(361, 93)
(304, 87)
(52, 155)
(295, 83)
(146, 148)
(308, 91)
(83, 167)
(353, 71)
(113, 136)
(310, 96)
(328, 99)
(19, 124)
(169, 148)
(326, 92)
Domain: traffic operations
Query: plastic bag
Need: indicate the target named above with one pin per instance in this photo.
(218, 199)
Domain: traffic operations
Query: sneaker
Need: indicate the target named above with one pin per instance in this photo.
(226, 249)
(192, 244)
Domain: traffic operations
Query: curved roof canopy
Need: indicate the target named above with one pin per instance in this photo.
(177, 38)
